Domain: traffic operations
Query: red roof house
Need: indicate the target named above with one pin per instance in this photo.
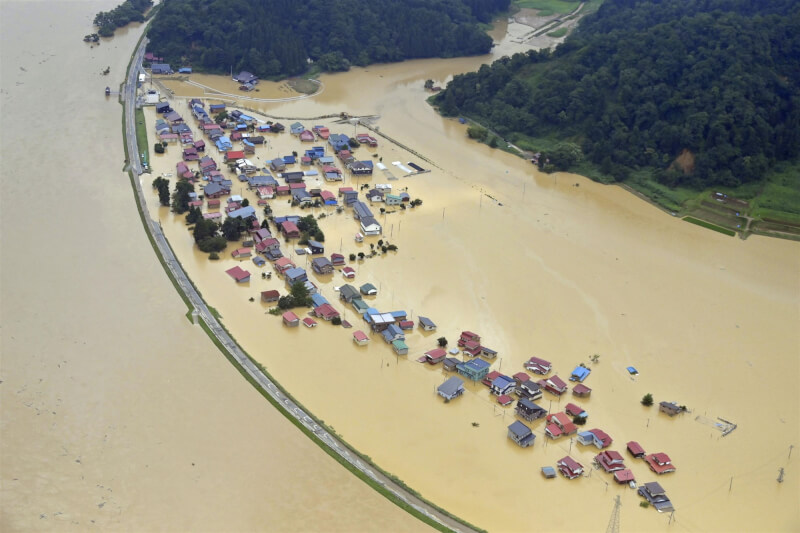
(468, 336)
(270, 296)
(337, 259)
(538, 366)
(521, 377)
(360, 338)
(635, 449)
(491, 376)
(559, 424)
(659, 463)
(283, 264)
(290, 230)
(239, 274)
(241, 253)
(573, 410)
(290, 319)
(348, 272)
(554, 385)
(326, 312)
(309, 322)
(581, 391)
(610, 461)
(233, 155)
(436, 355)
(570, 467)
(601, 438)
(623, 476)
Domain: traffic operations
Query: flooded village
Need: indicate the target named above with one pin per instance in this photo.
(372, 306)
(497, 356)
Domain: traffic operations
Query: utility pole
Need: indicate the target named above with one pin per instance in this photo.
(613, 523)
(780, 476)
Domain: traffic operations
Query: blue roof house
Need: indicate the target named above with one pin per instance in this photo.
(476, 369)
(580, 373)
(243, 212)
(224, 144)
(317, 300)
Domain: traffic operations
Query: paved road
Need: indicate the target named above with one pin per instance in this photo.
(288, 406)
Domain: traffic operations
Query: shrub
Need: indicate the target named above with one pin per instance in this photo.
(442, 341)
(213, 244)
(647, 400)
(579, 420)
(352, 257)
(336, 321)
(213, 256)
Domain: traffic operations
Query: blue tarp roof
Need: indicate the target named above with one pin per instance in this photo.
(632, 370)
(580, 373)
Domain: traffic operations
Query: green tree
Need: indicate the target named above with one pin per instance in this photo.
(233, 227)
(203, 229)
(442, 341)
(245, 202)
(647, 400)
(158, 148)
(162, 184)
(478, 133)
(299, 294)
(180, 198)
(193, 215)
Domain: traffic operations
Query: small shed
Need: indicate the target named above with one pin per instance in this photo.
(450, 363)
(670, 408)
(548, 472)
(309, 322)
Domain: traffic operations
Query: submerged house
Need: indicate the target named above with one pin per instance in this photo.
(655, 494)
(452, 388)
(476, 369)
(554, 385)
(569, 467)
(529, 389)
(529, 410)
(426, 323)
(521, 434)
(660, 463)
(437, 355)
(579, 374)
(670, 408)
(538, 366)
(610, 461)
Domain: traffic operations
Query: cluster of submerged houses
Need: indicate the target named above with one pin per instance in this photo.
(556, 425)
(291, 170)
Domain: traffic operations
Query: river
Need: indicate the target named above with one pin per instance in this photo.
(117, 414)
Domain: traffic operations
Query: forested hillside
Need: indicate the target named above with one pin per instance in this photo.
(701, 92)
(276, 37)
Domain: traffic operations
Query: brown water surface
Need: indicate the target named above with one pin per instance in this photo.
(549, 265)
(116, 413)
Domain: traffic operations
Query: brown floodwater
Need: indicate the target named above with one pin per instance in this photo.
(549, 265)
(116, 414)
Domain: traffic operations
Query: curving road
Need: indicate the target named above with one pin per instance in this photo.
(288, 406)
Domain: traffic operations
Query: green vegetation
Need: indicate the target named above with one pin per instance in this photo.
(674, 100)
(162, 184)
(647, 400)
(125, 13)
(710, 226)
(141, 137)
(310, 230)
(180, 198)
(560, 32)
(548, 7)
(298, 297)
(273, 38)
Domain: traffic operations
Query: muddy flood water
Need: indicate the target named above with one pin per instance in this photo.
(553, 266)
(116, 414)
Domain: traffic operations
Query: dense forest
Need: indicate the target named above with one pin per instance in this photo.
(278, 37)
(702, 92)
(125, 13)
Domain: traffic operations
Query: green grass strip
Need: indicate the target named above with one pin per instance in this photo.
(710, 226)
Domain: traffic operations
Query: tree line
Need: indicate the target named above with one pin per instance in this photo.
(279, 37)
(125, 13)
(640, 83)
